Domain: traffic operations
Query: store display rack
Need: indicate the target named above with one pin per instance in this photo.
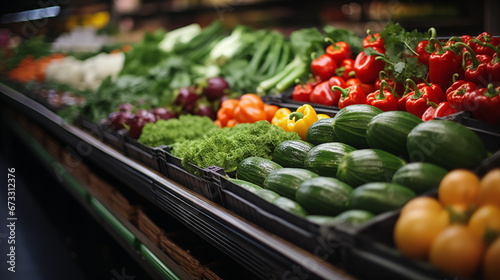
(267, 255)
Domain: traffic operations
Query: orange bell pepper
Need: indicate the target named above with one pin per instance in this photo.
(249, 108)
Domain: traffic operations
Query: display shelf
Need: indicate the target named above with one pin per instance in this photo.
(135, 243)
(267, 255)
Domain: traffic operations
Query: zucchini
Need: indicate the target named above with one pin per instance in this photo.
(267, 195)
(388, 131)
(445, 143)
(419, 176)
(290, 206)
(325, 158)
(351, 122)
(379, 197)
(286, 181)
(291, 153)
(323, 196)
(368, 165)
(251, 187)
(255, 169)
(321, 132)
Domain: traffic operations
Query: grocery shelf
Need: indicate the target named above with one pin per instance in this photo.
(267, 255)
(158, 265)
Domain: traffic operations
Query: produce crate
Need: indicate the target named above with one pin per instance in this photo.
(369, 249)
(142, 153)
(489, 133)
(115, 139)
(297, 230)
(91, 128)
(171, 167)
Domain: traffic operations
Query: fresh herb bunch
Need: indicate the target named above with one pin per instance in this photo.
(401, 56)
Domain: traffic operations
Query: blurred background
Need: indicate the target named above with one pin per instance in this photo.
(127, 20)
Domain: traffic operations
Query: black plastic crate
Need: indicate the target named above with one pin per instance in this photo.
(142, 153)
(489, 133)
(93, 129)
(114, 138)
(319, 240)
(172, 167)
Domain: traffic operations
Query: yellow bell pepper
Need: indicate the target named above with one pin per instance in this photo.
(298, 121)
(281, 118)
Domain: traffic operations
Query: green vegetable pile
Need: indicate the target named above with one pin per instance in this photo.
(227, 147)
(167, 132)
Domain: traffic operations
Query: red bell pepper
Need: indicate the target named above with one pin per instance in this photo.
(466, 39)
(424, 50)
(383, 98)
(346, 69)
(302, 92)
(484, 103)
(457, 94)
(339, 51)
(416, 103)
(485, 38)
(373, 41)
(337, 81)
(323, 67)
(350, 95)
(323, 94)
(440, 110)
(443, 63)
(367, 67)
(366, 87)
(493, 66)
(475, 68)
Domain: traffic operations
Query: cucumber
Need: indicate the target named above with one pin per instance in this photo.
(251, 187)
(323, 196)
(354, 216)
(255, 169)
(290, 206)
(291, 153)
(419, 176)
(267, 195)
(368, 165)
(388, 131)
(321, 132)
(351, 122)
(286, 181)
(445, 143)
(325, 158)
(379, 197)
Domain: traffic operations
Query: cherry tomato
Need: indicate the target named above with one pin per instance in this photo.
(457, 251)
(459, 186)
(416, 230)
(489, 188)
(491, 267)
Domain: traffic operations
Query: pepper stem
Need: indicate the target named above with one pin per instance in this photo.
(373, 38)
(381, 95)
(475, 61)
(488, 45)
(454, 77)
(343, 92)
(330, 40)
(417, 93)
(491, 91)
(433, 104)
(296, 116)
